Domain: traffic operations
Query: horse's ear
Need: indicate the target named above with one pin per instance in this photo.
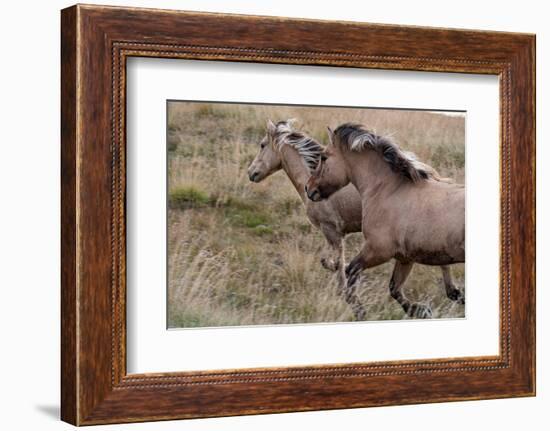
(271, 128)
(330, 136)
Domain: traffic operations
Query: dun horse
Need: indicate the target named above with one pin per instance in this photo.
(408, 212)
(298, 154)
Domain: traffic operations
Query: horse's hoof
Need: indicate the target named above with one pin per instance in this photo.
(359, 312)
(329, 264)
(456, 295)
(360, 315)
(352, 279)
(420, 311)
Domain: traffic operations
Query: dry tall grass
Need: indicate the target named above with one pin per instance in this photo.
(245, 254)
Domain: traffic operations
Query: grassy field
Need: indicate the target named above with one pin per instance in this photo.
(245, 254)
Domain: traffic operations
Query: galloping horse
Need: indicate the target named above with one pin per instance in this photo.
(298, 154)
(408, 212)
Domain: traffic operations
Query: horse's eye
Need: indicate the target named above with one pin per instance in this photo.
(323, 157)
(262, 146)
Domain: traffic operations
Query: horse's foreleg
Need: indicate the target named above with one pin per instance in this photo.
(368, 257)
(338, 261)
(335, 261)
(401, 271)
(453, 293)
(334, 258)
(365, 259)
(340, 269)
(336, 242)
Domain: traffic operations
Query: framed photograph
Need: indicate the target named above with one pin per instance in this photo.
(264, 214)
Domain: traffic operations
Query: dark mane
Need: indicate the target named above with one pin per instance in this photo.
(356, 137)
(307, 147)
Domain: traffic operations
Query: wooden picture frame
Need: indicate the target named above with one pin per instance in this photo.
(96, 41)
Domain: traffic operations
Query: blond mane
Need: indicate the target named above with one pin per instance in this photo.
(356, 137)
(308, 148)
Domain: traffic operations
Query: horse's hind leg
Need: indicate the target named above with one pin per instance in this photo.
(352, 299)
(401, 271)
(453, 293)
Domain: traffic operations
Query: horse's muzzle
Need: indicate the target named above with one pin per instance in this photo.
(313, 195)
(254, 176)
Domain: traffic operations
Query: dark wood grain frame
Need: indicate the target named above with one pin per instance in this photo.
(95, 43)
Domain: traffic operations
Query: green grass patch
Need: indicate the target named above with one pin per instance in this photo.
(287, 206)
(188, 197)
(243, 213)
(247, 218)
(263, 230)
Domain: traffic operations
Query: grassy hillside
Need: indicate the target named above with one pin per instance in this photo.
(245, 254)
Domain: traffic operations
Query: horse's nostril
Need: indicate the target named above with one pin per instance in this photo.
(314, 195)
(253, 176)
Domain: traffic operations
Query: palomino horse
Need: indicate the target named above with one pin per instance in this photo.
(298, 154)
(409, 212)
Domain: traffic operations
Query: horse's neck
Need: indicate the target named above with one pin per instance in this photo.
(372, 177)
(295, 169)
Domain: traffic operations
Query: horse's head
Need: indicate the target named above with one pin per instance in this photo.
(267, 161)
(330, 175)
